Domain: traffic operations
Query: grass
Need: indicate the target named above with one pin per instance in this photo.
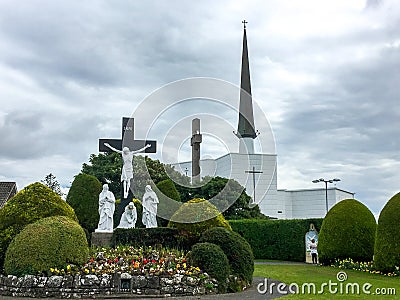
(318, 275)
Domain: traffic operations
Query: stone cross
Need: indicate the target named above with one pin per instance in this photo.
(195, 143)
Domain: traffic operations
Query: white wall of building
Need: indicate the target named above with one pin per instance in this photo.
(310, 203)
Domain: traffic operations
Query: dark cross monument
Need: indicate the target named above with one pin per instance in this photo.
(254, 172)
(195, 143)
(127, 140)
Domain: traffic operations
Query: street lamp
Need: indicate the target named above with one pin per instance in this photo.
(326, 188)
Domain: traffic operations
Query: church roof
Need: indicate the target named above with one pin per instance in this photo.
(246, 118)
(7, 190)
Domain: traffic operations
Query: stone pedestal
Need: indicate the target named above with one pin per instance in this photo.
(102, 239)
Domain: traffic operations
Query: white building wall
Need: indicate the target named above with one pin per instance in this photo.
(311, 203)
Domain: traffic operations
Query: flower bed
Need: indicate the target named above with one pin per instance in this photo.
(125, 269)
(350, 264)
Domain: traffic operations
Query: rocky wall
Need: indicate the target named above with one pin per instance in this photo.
(84, 286)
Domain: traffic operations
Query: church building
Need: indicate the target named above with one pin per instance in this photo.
(257, 172)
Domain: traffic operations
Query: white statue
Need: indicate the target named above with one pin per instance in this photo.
(106, 210)
(150, 201)
(127, 168)
(129, 217)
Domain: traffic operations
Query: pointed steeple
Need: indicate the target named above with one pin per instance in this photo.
(246, 119)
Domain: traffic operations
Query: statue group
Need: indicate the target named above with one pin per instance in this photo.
(129, 217)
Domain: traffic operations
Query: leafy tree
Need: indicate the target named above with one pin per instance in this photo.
(83, 197)
(223, 192)
(51, 181)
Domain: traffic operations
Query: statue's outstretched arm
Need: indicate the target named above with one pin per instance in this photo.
(112, 148)
(142, 149)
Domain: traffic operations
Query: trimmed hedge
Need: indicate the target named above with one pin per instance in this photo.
(238, 252)
(34, 202)
(83, 196)
(195, 210)
(211, 259)
(387, 245)
(276, 239)
(348, 231)
(168, 237)
(52, 242)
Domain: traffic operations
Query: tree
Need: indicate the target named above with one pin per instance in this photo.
(83, 196)
(228, 195)
(51, 181)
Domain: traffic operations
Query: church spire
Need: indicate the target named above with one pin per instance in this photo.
(246, 119)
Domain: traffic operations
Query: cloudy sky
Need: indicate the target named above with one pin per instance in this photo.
(325, 74)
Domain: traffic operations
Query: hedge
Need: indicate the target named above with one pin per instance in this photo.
(196, 216)
(387, 245)
(52, 242)
(238, 252)
(168, 237)
(211, 259)
(348, 231)
(276, 239)
(34, 202)
(83, 196)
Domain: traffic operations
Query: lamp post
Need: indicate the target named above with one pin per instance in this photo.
(326, 188)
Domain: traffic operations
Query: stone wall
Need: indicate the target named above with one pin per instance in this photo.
(82, 286)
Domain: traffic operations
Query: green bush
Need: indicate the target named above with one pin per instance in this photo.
(52, 242)
(348, 231)
(238, 252)
(34, 202)
(166, 190)
(387, 245)
(83, 196)
(168, 237)
(211, 259)
(204, 216)
(275, 239)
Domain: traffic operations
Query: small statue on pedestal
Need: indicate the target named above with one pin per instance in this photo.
(106, 210)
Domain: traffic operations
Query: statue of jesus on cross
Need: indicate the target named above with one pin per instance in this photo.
(127, 168)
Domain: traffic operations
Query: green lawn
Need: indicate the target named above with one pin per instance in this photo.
(300, 274)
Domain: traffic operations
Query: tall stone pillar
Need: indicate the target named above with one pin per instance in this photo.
(195, 143)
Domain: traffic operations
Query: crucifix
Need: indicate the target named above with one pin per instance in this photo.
(244, 23)
(127, 146)
(254, 172)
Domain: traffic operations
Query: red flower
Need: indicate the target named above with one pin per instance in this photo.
(153, 261)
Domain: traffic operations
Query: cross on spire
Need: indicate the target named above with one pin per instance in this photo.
(244, 23)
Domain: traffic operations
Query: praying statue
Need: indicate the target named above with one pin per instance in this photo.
(106, 210)
(150, 201)
(129, 217)
(127, 168)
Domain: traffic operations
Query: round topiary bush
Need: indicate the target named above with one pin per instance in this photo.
(211, 259)
(348, 231)
(196, 216)
(83, 196)
(387, 245)
(52, 242)
(238, 251)
(34, 202)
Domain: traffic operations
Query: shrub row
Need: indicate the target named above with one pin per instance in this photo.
(276, 239)
(168, 237)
